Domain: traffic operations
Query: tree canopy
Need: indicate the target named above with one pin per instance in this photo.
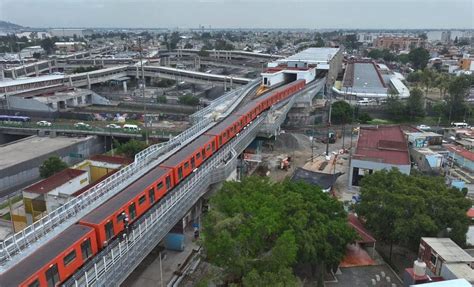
(414, 105)
(401, 208)
(130, 148)
(257, 231)
(51, 166)
(341, 113)
(189, 100)
(419, 58)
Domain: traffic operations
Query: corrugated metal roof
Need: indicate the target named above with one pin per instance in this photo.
(54, 181)
(448, 250)
(469, 155)
(385, 144)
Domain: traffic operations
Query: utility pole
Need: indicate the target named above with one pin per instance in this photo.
(329, 120)
(143, 89)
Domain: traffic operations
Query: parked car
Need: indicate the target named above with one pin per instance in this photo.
(131, 128)
(423, 127)
(82, 126)
(363, 102)
(113, 126)
(43, 124)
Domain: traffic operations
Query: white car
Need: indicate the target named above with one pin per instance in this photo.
(113, 126)
(423, 127)
(82, 125)
(43, 124)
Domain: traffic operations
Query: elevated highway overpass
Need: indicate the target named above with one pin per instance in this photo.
(104, 75)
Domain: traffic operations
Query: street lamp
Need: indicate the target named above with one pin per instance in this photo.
(143, 88)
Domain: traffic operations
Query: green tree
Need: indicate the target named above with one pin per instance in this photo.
(395, 108)
(130, 148)
(403, 58)
(188, 46)
(51, 166)
(203, 52)
(419, 58)
(189, 100)
(258, 231)
(401, 208)
(414, 77)
(415, 106)
(161, 99)
(458, 89)
(36, 55)
(341, 112)
(48, 45)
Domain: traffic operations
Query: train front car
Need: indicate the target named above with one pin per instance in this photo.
(111, 218)
(186, 160)
(55, 261)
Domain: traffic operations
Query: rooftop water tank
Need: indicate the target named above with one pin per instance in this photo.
(419, 268)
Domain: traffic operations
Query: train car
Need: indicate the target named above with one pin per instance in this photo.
(55, 261)
(281, 93)
(249, 112)
(134, 200)
(226, 129)
(190, 157)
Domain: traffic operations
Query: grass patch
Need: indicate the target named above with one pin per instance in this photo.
(13, 200)
(7, 216)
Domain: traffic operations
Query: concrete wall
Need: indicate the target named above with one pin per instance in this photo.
(375, 166)
(29, 170)
(28, 104)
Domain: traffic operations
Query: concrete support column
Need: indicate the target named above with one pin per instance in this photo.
(24, 71)
(36, 70)
(70, 81)
(13, 74)
(137, 75)
(94, 62)
(225, 84)
(88, 81)
(50, 70)
(103, 63)
(124, 83)
(231, 82)
(2, 73)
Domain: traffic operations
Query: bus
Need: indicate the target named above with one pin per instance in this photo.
(16, 119)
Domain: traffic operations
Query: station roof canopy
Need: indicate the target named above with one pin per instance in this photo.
(312, 56)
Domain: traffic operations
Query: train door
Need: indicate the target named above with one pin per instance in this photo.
(109, 230)
(52, 276)
(132, 210)
(151, 194)
(86, 249)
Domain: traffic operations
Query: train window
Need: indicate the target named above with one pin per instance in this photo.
(180, 173)
(193, 163)
(86, 249)
(198, 156)
(213, 146)
(151, 193)
(160, 185)
(52, 276)
(120, 217)
(168, 182)
(109, 230)
(142, 199)
(35, 283)
(186, 165)
(133, 211)
(203, 152)
(208, 148)
(220, 142)
(69, 258)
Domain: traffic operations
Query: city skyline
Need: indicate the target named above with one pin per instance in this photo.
(339, 14)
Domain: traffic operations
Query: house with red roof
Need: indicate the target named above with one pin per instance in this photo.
(378, 148)
(50, 193)
(461, 156)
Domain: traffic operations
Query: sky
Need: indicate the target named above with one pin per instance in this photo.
(313, 14)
